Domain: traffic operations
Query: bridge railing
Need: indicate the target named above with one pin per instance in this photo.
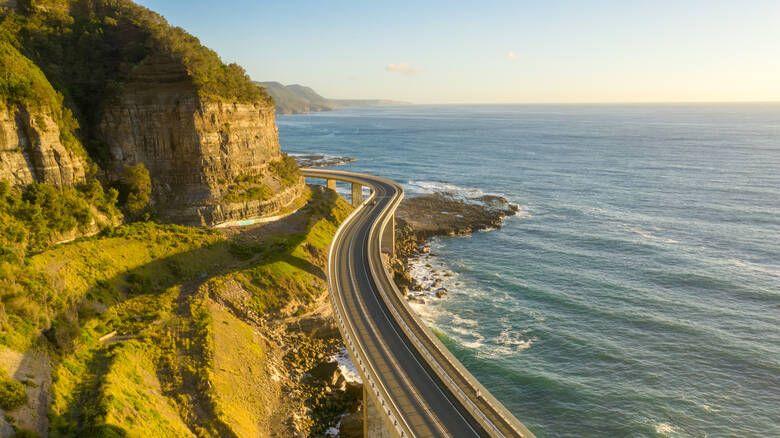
(428, 345)
(370, 376)
(424, 341)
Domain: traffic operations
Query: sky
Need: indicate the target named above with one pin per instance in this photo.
(499, 51)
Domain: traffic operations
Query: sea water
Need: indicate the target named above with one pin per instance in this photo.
(637, 291)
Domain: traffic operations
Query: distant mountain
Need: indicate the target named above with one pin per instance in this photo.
(297, 99)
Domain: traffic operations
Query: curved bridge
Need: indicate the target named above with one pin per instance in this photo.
(413, 386)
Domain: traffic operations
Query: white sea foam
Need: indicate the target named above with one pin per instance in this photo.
(665, 429)
(513, 341)
(347, 367)
(427, 187)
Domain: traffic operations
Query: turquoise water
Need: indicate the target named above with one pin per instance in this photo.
(637, 294)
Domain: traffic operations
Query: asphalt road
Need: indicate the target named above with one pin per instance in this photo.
(422, 387)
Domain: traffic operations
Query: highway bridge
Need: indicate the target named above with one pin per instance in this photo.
(413, 386)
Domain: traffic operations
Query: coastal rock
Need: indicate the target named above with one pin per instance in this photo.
(194, 149)
(321, 160)
(439, 214)
(31, 149)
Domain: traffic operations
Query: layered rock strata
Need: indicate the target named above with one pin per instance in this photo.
(31, 149)
(194, 149)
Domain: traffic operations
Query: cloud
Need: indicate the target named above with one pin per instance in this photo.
(403, 67)
(511, 55)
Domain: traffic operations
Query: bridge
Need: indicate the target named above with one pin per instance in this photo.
(412, 385)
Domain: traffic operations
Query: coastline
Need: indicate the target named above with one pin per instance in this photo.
(438, 214)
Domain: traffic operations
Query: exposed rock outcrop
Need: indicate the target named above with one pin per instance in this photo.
(439, 214)
(193, 149)
(31, 149)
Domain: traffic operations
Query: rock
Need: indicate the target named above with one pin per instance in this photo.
(341, 383)
(194, 149)
(441, 292)
(327, 372)
(31, 149)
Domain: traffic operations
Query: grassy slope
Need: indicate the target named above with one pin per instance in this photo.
(145, 348)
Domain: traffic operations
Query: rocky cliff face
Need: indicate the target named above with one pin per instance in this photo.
(31, 149)
(194, 150)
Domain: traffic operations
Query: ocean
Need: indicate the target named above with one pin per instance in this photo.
(637, 291)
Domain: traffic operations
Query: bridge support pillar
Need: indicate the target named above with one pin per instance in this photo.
(357, 194)
(388, 237)
(374, 425)
(331, 184)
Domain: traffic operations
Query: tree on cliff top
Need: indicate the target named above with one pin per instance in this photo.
(89, 48)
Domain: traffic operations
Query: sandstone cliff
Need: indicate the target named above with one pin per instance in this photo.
(194, 149)
(31, 149)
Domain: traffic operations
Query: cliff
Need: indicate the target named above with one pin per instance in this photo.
(143, 92)
(195, 149)
(31, 149)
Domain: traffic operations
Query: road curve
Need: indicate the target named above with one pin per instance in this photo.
(415, 381)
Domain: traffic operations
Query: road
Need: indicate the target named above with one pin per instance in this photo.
(420, 386)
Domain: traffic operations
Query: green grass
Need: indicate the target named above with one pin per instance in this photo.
(242, 194)
(290, 268)
(170, 349)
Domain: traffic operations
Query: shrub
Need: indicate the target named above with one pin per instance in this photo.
(287, 170)
(137, 185)
(12, 393)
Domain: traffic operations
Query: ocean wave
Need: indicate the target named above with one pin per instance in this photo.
(513, 340)
(347, 367)
(427, 187)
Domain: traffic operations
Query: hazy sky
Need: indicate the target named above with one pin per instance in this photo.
(499, 51)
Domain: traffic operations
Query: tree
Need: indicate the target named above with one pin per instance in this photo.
(138, 184)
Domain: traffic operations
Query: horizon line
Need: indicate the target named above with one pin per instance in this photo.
(649, 102)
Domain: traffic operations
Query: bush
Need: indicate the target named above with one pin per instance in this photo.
(31, 219)
(137, 185)
(12, 393)
(287, 170)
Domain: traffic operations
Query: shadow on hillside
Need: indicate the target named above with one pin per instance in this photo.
(87, 408)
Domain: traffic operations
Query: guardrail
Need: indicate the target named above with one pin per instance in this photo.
(424, 341)
(357, 350)
(433, 344)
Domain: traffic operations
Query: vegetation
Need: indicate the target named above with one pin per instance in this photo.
(32, 220)
(248, 188)
(286, 169)
(12, 393)
(136, 189)
(131, 320)
(295, 99)
(87, 49)
(23, 84)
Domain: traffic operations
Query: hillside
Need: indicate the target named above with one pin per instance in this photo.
(295, 99)
(122, 312)
(298, 99)
(149, 328)
(97, 86)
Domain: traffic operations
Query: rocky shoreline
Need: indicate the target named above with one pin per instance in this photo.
(305, 160)
(438, 214)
